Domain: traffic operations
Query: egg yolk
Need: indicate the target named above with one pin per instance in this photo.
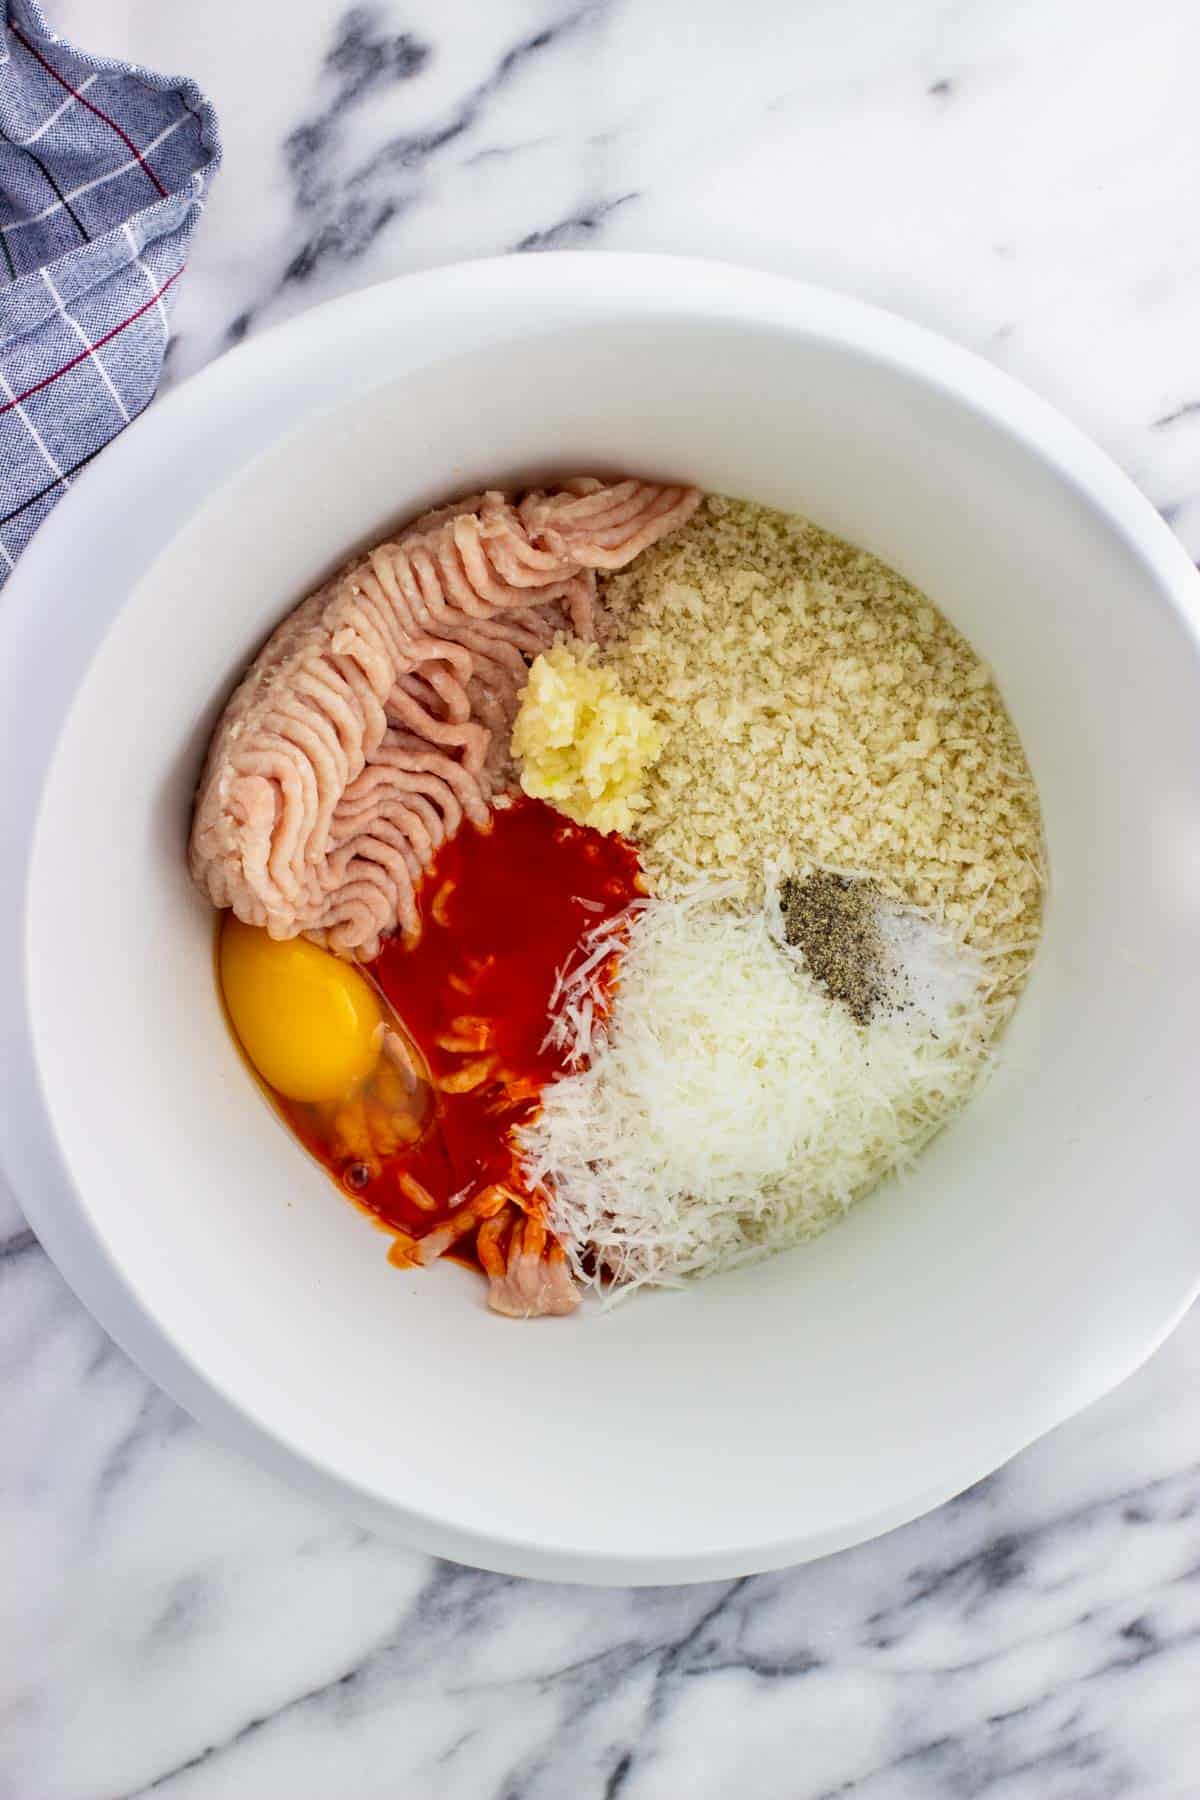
(310, 1023)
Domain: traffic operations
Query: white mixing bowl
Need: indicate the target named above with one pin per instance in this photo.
(1046, 1242)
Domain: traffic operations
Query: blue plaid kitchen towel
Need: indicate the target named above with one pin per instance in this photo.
(103, 172)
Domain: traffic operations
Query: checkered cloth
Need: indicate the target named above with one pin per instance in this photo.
(103, 172)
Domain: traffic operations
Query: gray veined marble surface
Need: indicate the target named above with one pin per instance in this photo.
(1023, 177)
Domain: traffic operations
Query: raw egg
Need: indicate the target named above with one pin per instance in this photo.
(309, 1022)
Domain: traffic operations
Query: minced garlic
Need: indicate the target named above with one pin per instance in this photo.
(581, 742)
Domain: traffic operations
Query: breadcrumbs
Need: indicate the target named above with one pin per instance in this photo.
(821, 713)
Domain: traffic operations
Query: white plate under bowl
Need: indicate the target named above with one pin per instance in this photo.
(1046, 1242)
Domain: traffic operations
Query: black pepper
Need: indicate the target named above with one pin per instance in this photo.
(833, 920)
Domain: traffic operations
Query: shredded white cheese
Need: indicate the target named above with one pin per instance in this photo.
(727, 1107)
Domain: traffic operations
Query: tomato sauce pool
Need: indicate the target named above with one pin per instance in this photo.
(502, 911)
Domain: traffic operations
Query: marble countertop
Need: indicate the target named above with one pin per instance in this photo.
(1023, 178)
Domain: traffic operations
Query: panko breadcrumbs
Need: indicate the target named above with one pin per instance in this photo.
(821, 713)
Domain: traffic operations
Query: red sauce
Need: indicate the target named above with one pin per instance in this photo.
(502, 911)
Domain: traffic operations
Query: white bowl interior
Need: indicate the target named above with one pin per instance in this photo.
(947, 1321)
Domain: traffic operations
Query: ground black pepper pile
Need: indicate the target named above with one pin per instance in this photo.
(833, 921)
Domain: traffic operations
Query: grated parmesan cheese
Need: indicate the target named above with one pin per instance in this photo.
(727, 1108)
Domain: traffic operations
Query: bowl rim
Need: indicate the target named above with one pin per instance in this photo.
(176, 457)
